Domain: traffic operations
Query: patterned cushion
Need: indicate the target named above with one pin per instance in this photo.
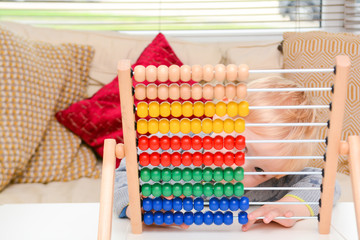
(318, 50)
(37, 80)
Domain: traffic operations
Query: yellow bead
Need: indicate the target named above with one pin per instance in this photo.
(174, 126)
(142, 109)
(154, 109)
(153, 126)
(142, 126)
(198, 109)
(185, 125)
(243, 108)
(176, 109)
(164, 126)
(165, 109)
(220, 109)
(232, 109)
(228, 125)
(187, 109)
(195, 126)
(209, 109)
(206, 125)
(218, 126)
(239, 125)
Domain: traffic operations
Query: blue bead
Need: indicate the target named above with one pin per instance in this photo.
(198, 204)
(148, 218)
(208, 218)
(228, 218)
(224, 204)
(242, 216)
(244, 203)
(177, 204)
(234, 204)
(218, 218)
(157, 204)
(147, 204)
(188, 204)
(214, 204)
(188, 218)
(158, 218)
(198, 218)
(178, 218)
(167, 204)
(168, 218)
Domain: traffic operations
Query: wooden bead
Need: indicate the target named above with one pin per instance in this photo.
(230, 91)
(139, 73)
(208, 92)
(185, 73)
(241, 91)
(196, 91)
(220, 72)
(163, 91)
(344, 148)
(208, 72)
(140, 92)
(151, 91)
(231, 72)
(243, 72)
(174, 73)
(119, 150)
(219, 92)
(151, 73)
(174, 91)
(196, 73)
(185, 91)
(163, 73)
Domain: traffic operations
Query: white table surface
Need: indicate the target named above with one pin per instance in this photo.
(80, 221)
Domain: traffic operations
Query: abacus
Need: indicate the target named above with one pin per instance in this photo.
(226, 201)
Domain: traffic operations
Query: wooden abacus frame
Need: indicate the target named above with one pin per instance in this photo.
(129, 148)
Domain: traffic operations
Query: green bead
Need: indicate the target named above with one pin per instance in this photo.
(197, 174)
(197, 189)
(208, 189)
(239, 174)
(176, 174)
(145, 174)
(166, 175)
(218, 174)
(146, 189)
(228, 189)
(156, 174)
(218, 189)
(187, 174)
(239, 189)
(156, 190)
(207, 174)
(167, 189)
(228, 174)
(177, 190)
(187, 189)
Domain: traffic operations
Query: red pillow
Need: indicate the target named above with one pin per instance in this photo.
(99, 117)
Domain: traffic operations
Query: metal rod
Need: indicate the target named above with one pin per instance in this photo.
(283, 203)
(282, 188)
(280, 173)
(314, 70)
(312, 217)
(284, 157)
(285, 124)
(287, 141)
(287, 89)
(290, 107)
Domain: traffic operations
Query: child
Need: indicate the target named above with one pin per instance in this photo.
(268, 149)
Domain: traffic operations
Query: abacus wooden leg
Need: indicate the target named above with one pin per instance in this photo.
(107, 190)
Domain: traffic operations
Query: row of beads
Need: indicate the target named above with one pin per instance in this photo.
(185, 91)
(197, 159)
(190, 218)
(187, 174)
(186, 143)
(188, 109)
(186, 126)
(197, 190)
(197, 73)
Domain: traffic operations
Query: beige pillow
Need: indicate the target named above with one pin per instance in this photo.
(318, 50)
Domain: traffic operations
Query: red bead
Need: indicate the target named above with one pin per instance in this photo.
(154, 143)
(186, 142)
(208, 159)
(207, 143)
(175, 143)
(176, 159)
(186, 159)
(229, 158)
(239, 158)
(143, 143)
(155, 159)
(218, 159)
(229, 142)
(218, 143)
(240, 142)
(165, 159)
(197, 159)
(144, 159)
(196, 143)
(165, 142)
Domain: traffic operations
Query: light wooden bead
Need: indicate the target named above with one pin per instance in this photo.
(241, 91)
(119, 150)
(208, 92)
(231, 72)
(243, 72)
(151, 91)
(344, 148)
(185, 91)
(196, 91)
(140, 92)
(163, 73)
(151, 73)
(220, 72)
(174, 91)
(208, 72)
(163, 92)
(185, 73)
(196, 73)
(174, 73)
(139, 73)
(230, 91)
(219, 92)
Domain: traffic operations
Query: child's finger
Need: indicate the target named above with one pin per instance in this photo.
(252, 217)
(270, 216)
